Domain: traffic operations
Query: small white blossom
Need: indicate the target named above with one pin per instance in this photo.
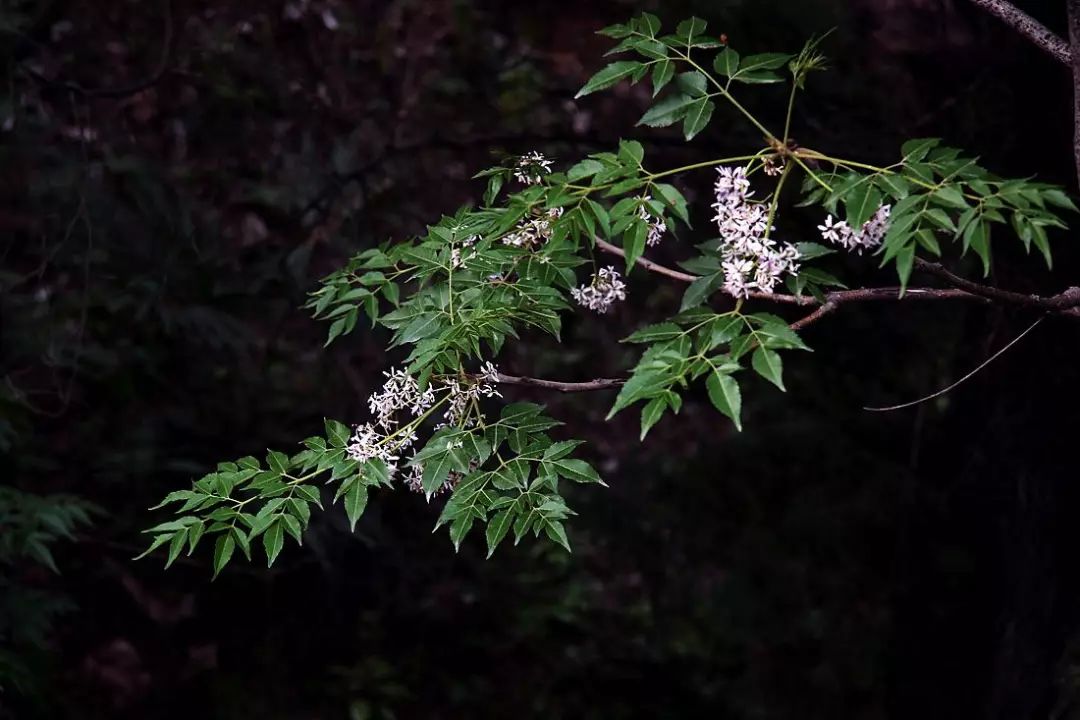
(731, 183)
(399, 392)
(533, 230)
(772, 166)
(414, 478)
(657, 227)
(489, 372)
(385, 438)
(462, 396)
(606, 287)
(531, 168)
(459, 259)
(368, 443)
(736, 274)
(868, 237)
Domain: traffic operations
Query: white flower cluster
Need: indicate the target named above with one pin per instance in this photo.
(750, 259)
(464, 394)
(533, 231)
(489, 372)
(370, 443)
(385, 438)
(414, 479)
(457, 258)
(869, 236)
(657, 227)
(606, 287)
(399, 392)
(531, 168)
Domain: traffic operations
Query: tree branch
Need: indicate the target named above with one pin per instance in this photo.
(1064, 303)
(1049, 42)
(813, 317)
(608, 383)
(566, 387)
(1065, 300)
(832, 302)
(1029, 27)
(1074, 38)
(835, 297)
(646, 263)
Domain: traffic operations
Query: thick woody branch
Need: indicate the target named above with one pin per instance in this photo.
(1064, 303)
(1074, 38)
(1049, 42)
(1066, 300)
(566, 387)
(1029, 27)
(834, 298)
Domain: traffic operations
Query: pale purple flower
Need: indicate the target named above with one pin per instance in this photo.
(731, 182)
(657, 226)
(750, 259)
(605, 289)
(369, 443)
(531, 168)
(533, 231)
(868, 237)
(399, 392)
(462, 396)
(414, 478)
(772, 166)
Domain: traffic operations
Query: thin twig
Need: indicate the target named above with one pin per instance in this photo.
(813, 317)
(646, 263)
(608, 383)
(941, 392)
(1029, 27)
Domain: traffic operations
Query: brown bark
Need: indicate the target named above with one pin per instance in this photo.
(1029, 27)
(1074, 38)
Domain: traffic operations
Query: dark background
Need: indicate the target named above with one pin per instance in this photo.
(826, 563)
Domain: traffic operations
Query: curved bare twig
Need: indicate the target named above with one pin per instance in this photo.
(944, 390)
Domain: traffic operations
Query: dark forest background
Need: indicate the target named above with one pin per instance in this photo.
(176, 175)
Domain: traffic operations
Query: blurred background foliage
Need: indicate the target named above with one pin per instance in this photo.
(176, 174)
